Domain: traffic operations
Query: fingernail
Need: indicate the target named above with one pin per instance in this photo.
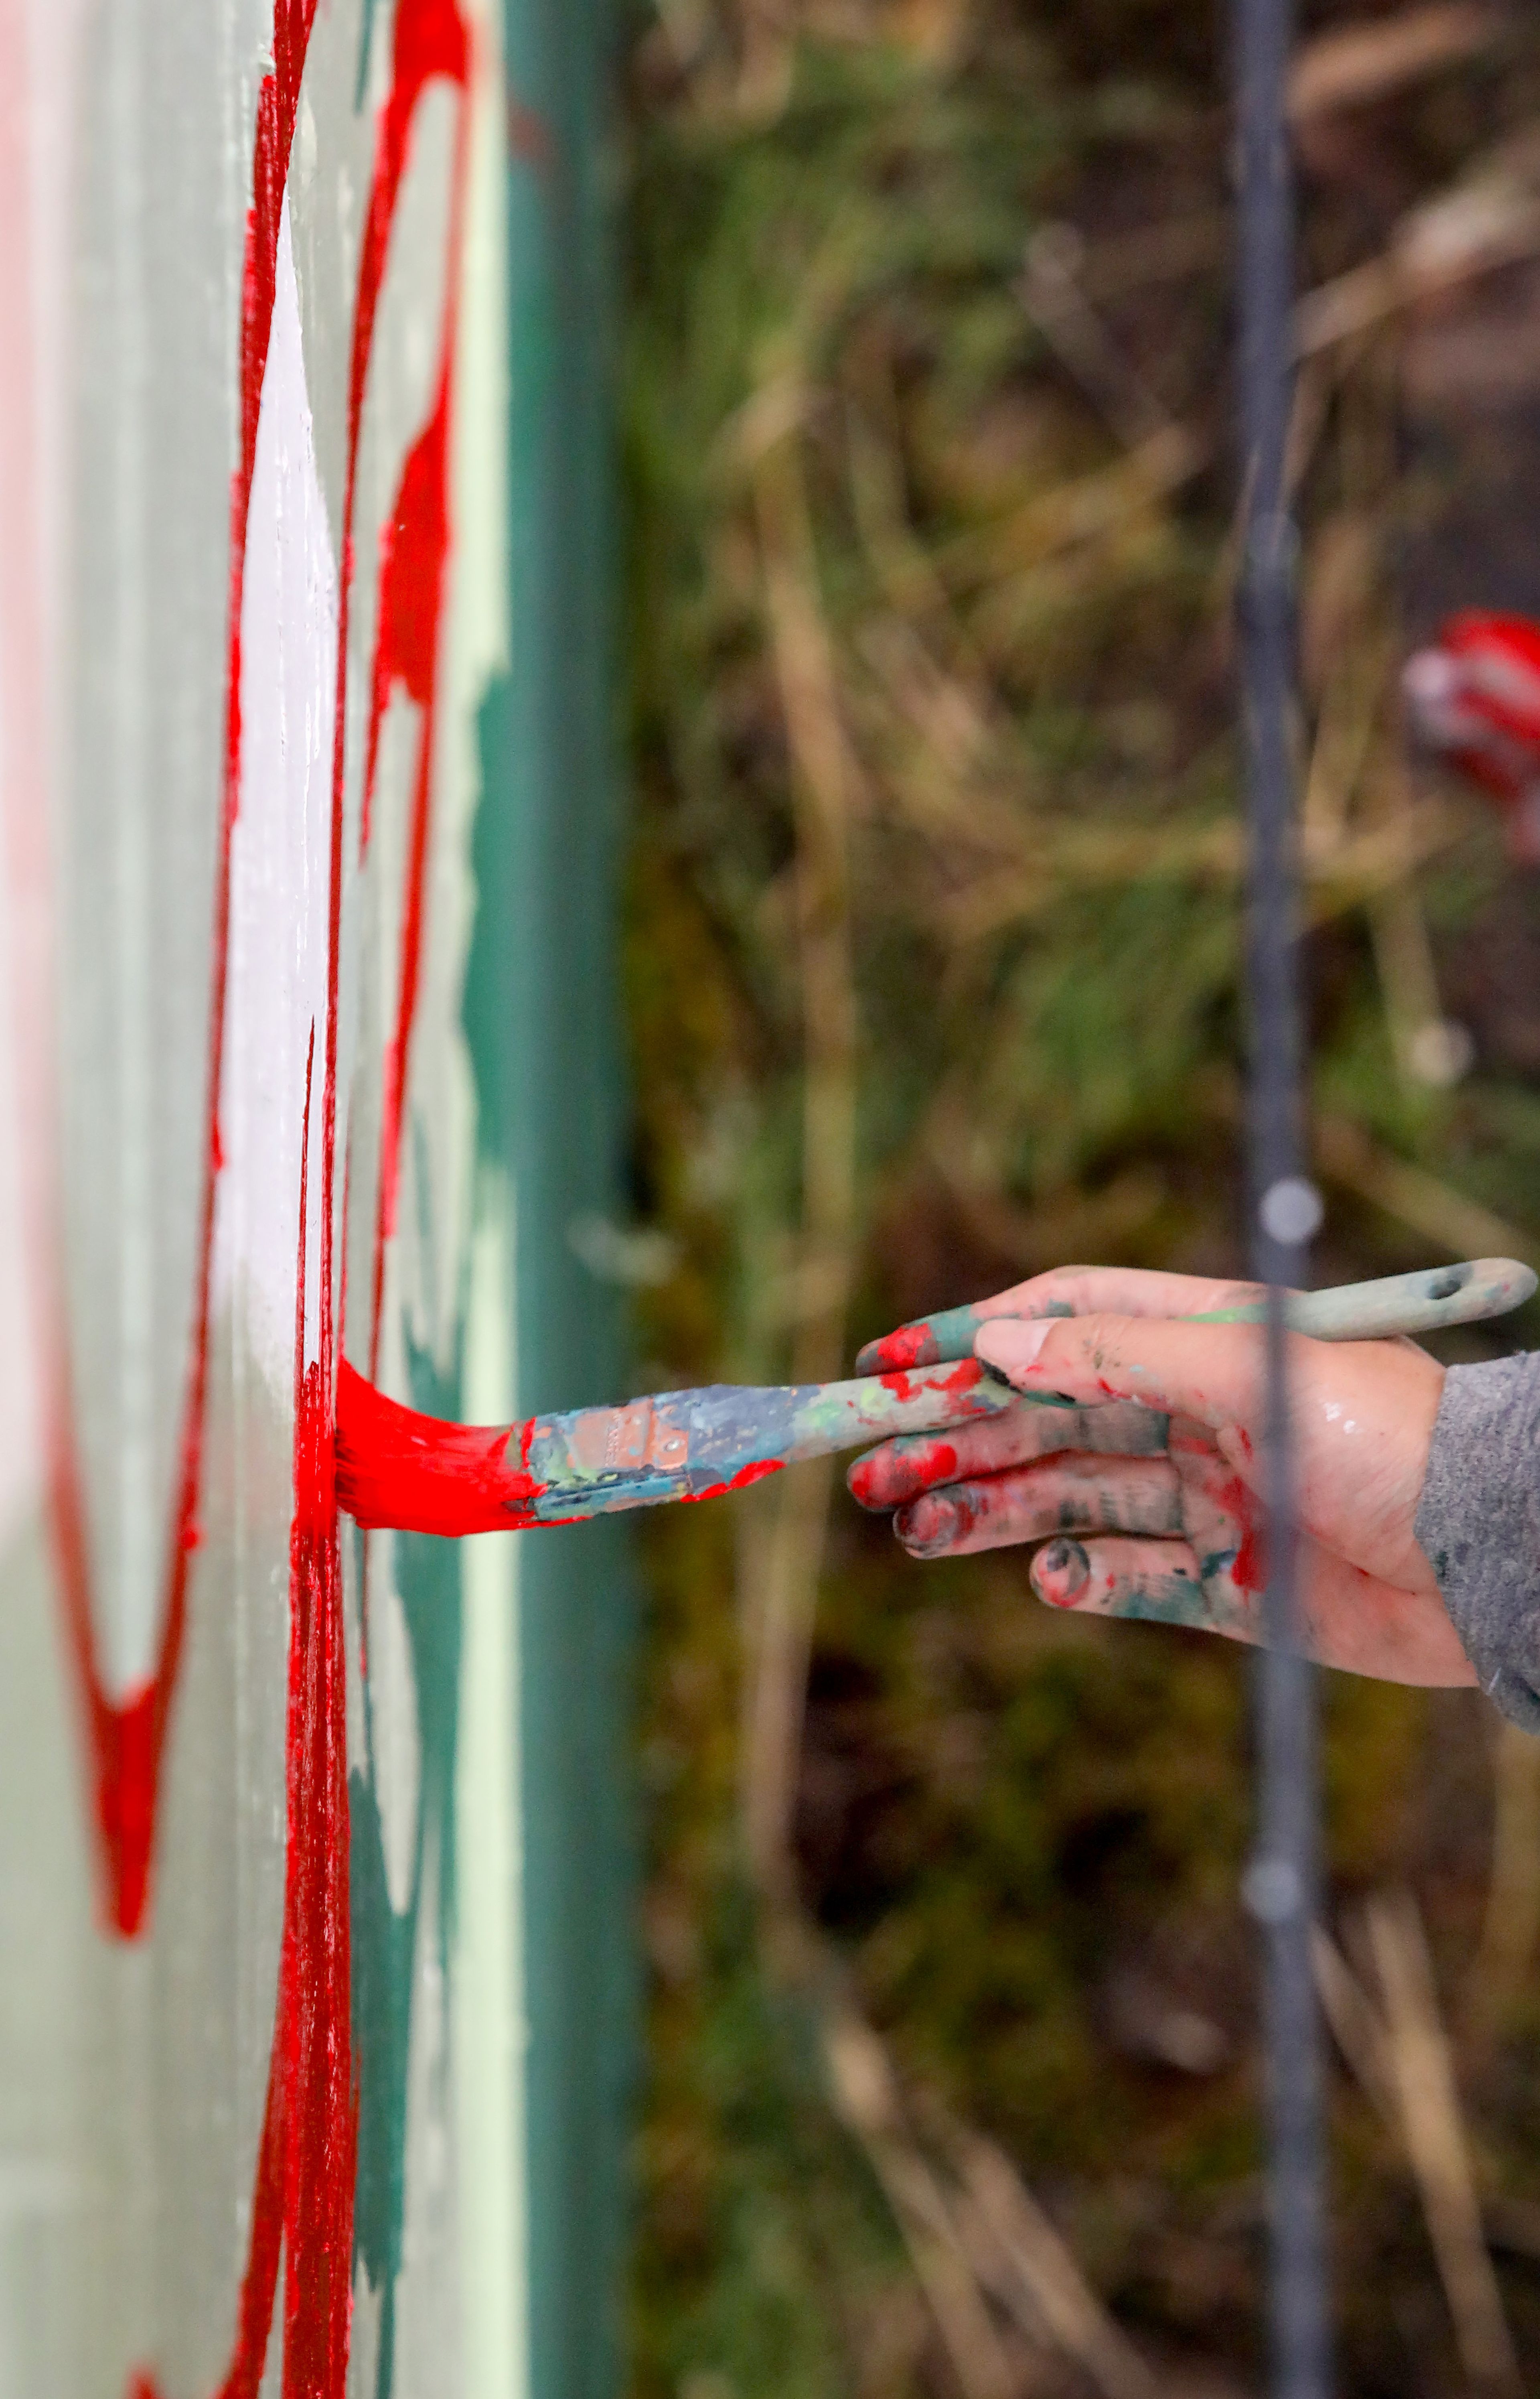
(928, 1525)
(859, 1480)
(1012, 1345)
(1059, 1573)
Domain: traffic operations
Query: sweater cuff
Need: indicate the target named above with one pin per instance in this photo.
(1478, 1524)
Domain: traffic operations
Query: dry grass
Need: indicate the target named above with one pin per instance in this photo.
(934, 975)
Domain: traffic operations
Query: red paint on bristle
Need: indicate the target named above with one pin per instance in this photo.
(412, 1473)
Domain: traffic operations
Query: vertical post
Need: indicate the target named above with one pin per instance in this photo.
(543, 1007)
(1281, 1882)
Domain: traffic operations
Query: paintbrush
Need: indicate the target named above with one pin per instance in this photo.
(413, 1474)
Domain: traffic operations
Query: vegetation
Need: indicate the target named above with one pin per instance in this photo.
(933, 964)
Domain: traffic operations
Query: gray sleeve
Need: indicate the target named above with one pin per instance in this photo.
(1478, 1524)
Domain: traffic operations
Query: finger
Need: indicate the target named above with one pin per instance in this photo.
(1210, 1372)
(1063, 1495)
(1154, 1582)
(902, 1469)
(1068, 1291)
(1354, 1622)
(1362, 1412)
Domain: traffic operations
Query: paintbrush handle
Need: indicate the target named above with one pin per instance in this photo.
(697, 1444)
(397, 1469)
(1428, 1301)
(403, 1471)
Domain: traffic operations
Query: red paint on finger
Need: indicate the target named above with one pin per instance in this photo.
(432, 43)
(936, 1523)
(1248, 1569)
(911, 1345)
(1061, 1572)
(888, 1477)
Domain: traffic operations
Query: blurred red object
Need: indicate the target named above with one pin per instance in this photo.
(1474, 696)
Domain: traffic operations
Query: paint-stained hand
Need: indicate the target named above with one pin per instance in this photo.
(1140, 1478)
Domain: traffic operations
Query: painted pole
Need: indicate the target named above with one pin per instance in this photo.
(1282, 1880)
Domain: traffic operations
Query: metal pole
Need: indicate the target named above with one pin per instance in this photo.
(1281, 1882)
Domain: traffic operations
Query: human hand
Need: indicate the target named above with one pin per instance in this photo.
(1139, 1477)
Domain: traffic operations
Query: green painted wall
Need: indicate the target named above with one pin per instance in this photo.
(542, 1013)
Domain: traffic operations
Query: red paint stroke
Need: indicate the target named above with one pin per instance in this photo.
(412, 554)
(432, 43)
(303, 2201)
(397, 1468)
(128, 1738)
(125, 1736)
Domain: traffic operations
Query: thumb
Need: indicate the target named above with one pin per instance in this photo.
(1212, 1371)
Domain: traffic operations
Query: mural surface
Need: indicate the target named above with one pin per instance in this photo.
(263, 2121)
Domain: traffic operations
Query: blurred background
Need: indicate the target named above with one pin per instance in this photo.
(933, 938)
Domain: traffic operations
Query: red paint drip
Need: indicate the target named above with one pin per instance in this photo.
(417, 1474)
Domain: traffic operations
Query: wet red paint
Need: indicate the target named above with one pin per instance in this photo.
(126, 1735)
(417, 1473)
(745, 1475)
(964, 1377)
(303, 2201)
(1248, 1571)
(939, 1521)
(889, 1477)
(303, 2198)
(911, 1345)
(432, 43)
